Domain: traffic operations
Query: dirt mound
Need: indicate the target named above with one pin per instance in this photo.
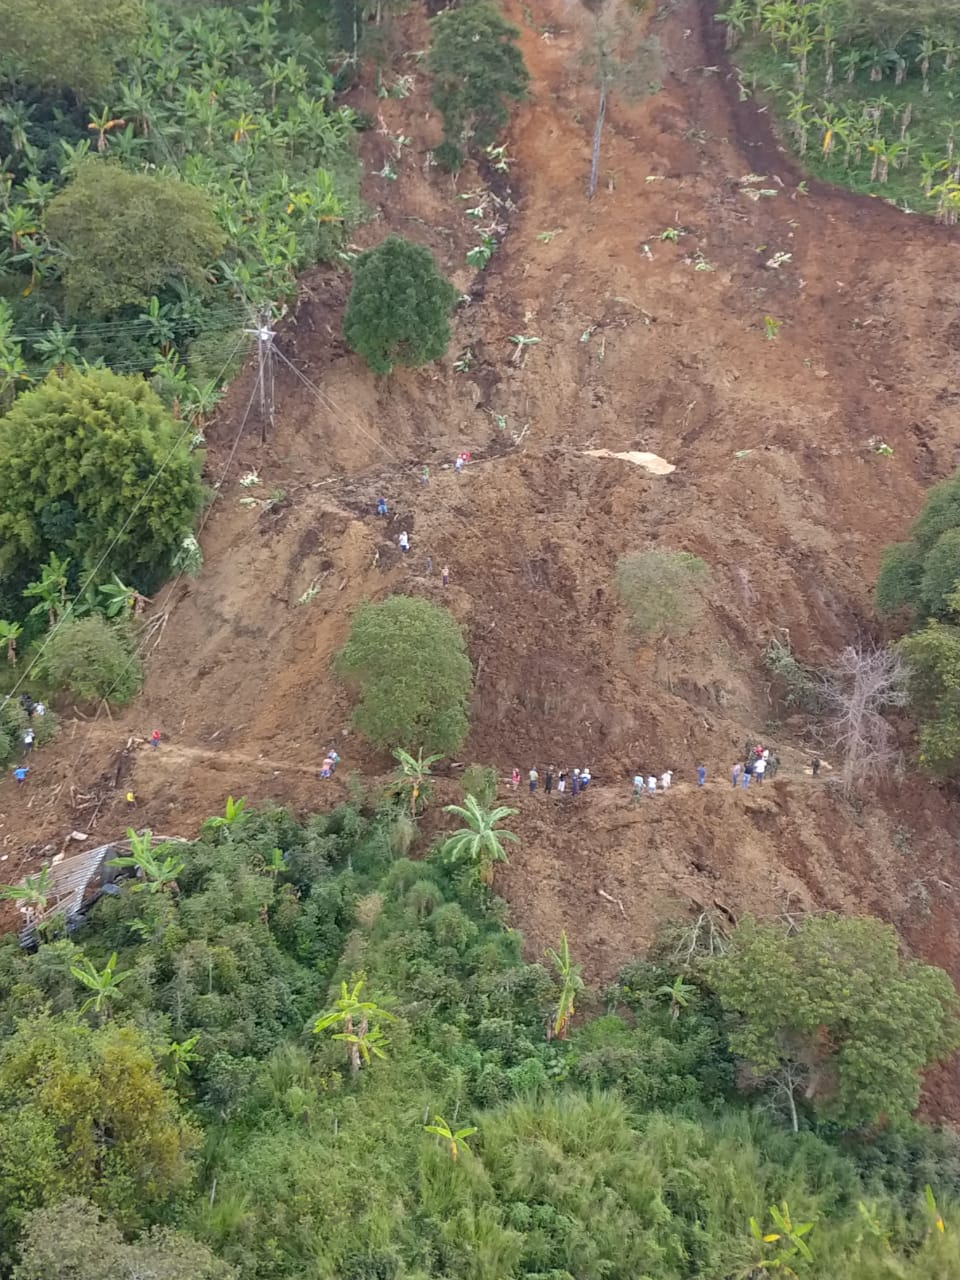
(647, 344)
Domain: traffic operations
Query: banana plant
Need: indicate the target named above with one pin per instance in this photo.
(455, 1139)
(679, 994)
(57, 348)
(359, 1018)
(412, 775)
(571, 984)
(103, 983)
(788, 1236)
(10, 633)
(32, 892)
(18, 223)
(156, 874)
(182, 1057)
(235, 812)
(103, 124)
(49, 590)
(479, 843)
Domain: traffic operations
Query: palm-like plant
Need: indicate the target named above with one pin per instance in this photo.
(571, 984)
(233, 814)
(103, 983)
(455, 1139)
(18, 223)
(103, 124)
(32, 892)
(57, 348)
(479, 843)
(412, 777)
(361, 1034)
(788, 1236)
(50, 589)
(157, 873)
(678, 993)
(182, 1056)
(116, 598)
(10, 633)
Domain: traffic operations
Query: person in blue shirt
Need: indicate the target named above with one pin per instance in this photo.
(701, 774)
(381, 506)
(20, 774)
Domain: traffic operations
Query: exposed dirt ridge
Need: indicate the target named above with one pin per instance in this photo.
(645, 346)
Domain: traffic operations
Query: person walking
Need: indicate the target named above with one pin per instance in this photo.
(428, 564)
(815, 765)
(326, 768)
(155, 739)
(445, 575)
(586, 778)
(759, 769)
(651, 784)
(131, 800)
(458, 465)
(701, 774)
(561, 781)
(575, 783)
(38, 709)
(548, 780)
(404, 541)
(534, 777)
(381, 506)
(515, 779)
(637, 787)
(735, 773)
(20, 773)
(747, 772)
(666, 778)
(27, 741)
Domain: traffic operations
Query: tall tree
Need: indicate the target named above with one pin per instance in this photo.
(477, 70)
(49, 44)
(932, 658)
(837, 1003)
(123, 236)
(409, 659)
(399, 306)
(94, 468)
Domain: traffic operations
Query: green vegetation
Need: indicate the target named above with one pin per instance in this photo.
(834, 1010)
(123, 237)
(50, 45)
(318, 1058)
(146, 208)
(92, 469)
(866, 89)
(477, 71)
(93, 659)
(662, 591)
(409, 659)
(399, 307)
(921, 578)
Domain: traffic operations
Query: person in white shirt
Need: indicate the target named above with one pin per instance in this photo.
(404, 541)
(666, 779)
(759, 769)
(651, 784)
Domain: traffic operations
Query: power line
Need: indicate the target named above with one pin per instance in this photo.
(68, 612)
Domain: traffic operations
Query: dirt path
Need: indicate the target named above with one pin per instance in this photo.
(648, 344)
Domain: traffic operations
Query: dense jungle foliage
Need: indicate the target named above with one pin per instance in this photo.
(866, 90)
(288, 1050)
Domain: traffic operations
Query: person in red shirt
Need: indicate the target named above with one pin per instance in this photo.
(155, 738)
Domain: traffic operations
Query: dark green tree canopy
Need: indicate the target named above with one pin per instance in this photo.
(409, 658)
(932, 656)
(124, 235)
(921, 573)
(399, 307)
(92, 466)
(477, 70)
(837, 1002)
(67, 44)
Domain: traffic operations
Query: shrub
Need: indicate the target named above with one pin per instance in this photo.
(480, 781)
(477, 70)
(921, 573)
(409, 659)
(94, 659)
(123, 236)
(933, 673)
(662, 591)
(399, 306)
(48, 44)
(92, 467)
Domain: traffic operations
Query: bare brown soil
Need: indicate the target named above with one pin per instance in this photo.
(639, 351)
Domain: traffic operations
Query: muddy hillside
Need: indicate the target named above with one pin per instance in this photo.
(645, 344)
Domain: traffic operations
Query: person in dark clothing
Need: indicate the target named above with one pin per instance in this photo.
(815, 765)
(575, 783)
(548, 780)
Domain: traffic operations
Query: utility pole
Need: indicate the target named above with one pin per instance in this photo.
(265, 353)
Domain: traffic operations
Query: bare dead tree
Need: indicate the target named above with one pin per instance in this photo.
(862, 684)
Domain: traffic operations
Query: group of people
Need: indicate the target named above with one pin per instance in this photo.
(579, 780)
(34, 711)
(329, 765)
(758, 762)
